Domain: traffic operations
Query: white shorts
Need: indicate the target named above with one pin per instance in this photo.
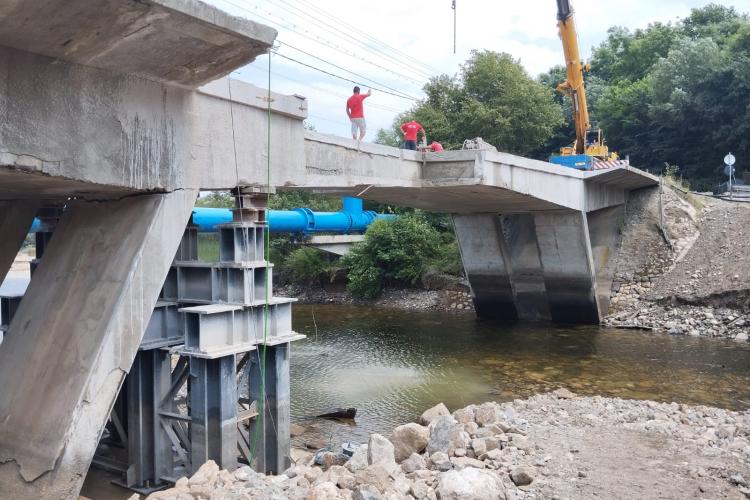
(358, 124)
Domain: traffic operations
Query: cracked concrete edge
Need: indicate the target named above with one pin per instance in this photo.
(216, 17)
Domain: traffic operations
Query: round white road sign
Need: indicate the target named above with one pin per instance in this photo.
(729, 159)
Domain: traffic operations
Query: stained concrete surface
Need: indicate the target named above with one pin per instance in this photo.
(525, 267)
(479, 238)
(605, 228)
(569, 274)
(103, 271)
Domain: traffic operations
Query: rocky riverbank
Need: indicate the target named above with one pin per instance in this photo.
(553, 446)
(455, 299)
(696, 280)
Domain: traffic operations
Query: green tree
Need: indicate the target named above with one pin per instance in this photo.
(627, 57)
(676, 93)
(493, 98)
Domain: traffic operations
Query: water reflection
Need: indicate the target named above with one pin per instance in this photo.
(391, 365)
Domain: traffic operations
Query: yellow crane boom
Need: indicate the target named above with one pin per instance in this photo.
(588, 141)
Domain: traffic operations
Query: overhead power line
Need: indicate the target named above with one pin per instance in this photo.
(357, 38)
(294, 28)
(346, 79)
(324, 90)
(348, 71)
(358, 31)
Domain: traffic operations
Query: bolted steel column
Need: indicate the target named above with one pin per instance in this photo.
(213, 411)
(149, 448)
(269, 373)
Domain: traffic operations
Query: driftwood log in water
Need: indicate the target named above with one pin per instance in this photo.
(344, 413)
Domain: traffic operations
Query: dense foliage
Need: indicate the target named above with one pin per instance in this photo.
(494, 98)
(306, 264)
(676, 93)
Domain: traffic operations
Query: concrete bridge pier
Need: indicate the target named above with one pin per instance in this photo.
(483, 254)
(555, 265)
(76, 333)
(568, 266)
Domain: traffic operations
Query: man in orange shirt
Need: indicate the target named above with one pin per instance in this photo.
(410, 130)
(356, 113)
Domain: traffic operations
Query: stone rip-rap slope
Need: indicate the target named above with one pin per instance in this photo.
(553, 446)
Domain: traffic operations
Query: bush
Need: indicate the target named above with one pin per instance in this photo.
(448, 258)
(398, 250)
(306, 264)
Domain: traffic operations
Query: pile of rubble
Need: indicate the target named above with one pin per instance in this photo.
(549, 446)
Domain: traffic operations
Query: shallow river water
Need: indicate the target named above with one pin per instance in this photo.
(392, 365)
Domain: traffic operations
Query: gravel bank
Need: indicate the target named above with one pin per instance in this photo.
(700, 287)
(552, 446)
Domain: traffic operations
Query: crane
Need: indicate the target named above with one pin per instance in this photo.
(589, 147)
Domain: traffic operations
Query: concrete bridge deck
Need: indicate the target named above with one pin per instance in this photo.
(468, 181)
(121, 111)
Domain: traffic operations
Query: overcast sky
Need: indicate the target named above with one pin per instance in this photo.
(354, 36)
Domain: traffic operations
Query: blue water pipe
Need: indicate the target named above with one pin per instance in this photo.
(351, 219)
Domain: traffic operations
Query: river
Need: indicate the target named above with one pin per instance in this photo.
(392, 365)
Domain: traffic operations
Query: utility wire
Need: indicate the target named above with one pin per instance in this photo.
(430, 70)
(400, 75)
(357, 39)
(346, 79)
(348, 71)
(326, 91)
(315, 38)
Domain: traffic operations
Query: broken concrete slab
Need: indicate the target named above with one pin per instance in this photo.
(180, 42)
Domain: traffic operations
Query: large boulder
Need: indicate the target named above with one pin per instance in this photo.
(487, 414)
(325, 491)
(408, 439)
(470, 484)
(380, 451)
(464, 415)
(436, 411)
(414, 463)
(205, 475)
(446, 436)
(374, 475)
(358, 460)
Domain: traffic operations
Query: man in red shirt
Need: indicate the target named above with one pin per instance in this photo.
(356, 113)
(410, 130)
